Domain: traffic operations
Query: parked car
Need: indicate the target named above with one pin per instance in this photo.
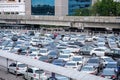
(98, 51)
(115, 53)
(109, 73)
(53, 54)
(45, 59)
(105, 60)
(59, 62)
(111, 66)
(85, 50)
(34, 55)
(33, 73)
(65, 57)
(73, 65)
(17, 68)
(89, 69)
(78, 59)
(96, 62)
(43, 51)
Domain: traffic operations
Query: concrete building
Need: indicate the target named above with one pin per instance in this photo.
(12, 7)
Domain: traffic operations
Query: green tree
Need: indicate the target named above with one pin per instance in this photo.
(82, 12)
(117, 8)
(104, 8)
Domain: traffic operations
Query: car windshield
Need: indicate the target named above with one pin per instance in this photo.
(93, 61)
(43, 58)
(53, 53)
(21, 65)
(108, 72)
(76, 59)
(71, 64)
(109, 59)
(58, 61)
(111, 66)
(39, 71)
(63, 56)
(87, 69)
(32, 55)
(43, 51)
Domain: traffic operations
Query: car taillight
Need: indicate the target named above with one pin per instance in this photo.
(34, 75)
(46, 61)
(35, 58)
(113, 76)
(102, 76)
(17, 68)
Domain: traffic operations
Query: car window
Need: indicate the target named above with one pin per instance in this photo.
(13, 65)
(21, 65)
(97, 49)
(116, 52)
(30, 70)
(39, 71)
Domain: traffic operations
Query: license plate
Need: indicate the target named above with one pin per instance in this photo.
(108, 76)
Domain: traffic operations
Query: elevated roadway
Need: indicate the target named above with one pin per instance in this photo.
(72, 21)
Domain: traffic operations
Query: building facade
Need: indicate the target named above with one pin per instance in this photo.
(77, 4)
(12, 7)
(57, 7)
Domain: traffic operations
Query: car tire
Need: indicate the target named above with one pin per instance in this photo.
(24, 77)
(94, 55)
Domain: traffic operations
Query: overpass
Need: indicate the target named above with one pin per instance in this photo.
(72, 21)
(72, 74)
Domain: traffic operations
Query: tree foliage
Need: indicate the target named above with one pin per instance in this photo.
(101, 8)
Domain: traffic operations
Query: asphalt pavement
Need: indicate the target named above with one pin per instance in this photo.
(4, 75)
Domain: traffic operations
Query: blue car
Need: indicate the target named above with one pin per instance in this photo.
(59, 62)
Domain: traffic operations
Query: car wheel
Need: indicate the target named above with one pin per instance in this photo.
(24, 77)
(94, 55)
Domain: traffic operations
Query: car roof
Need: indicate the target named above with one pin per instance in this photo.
(105, 57)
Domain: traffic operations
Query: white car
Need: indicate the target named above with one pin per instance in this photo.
(97, 52)
(33, 73)
(17, 68)
(78, 59)
(72, 65)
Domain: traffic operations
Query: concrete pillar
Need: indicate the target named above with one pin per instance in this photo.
(61, 7)
(28, 7)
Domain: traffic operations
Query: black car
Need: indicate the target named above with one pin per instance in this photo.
(115, 53)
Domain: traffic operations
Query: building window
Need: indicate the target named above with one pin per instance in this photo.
(43, 7)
